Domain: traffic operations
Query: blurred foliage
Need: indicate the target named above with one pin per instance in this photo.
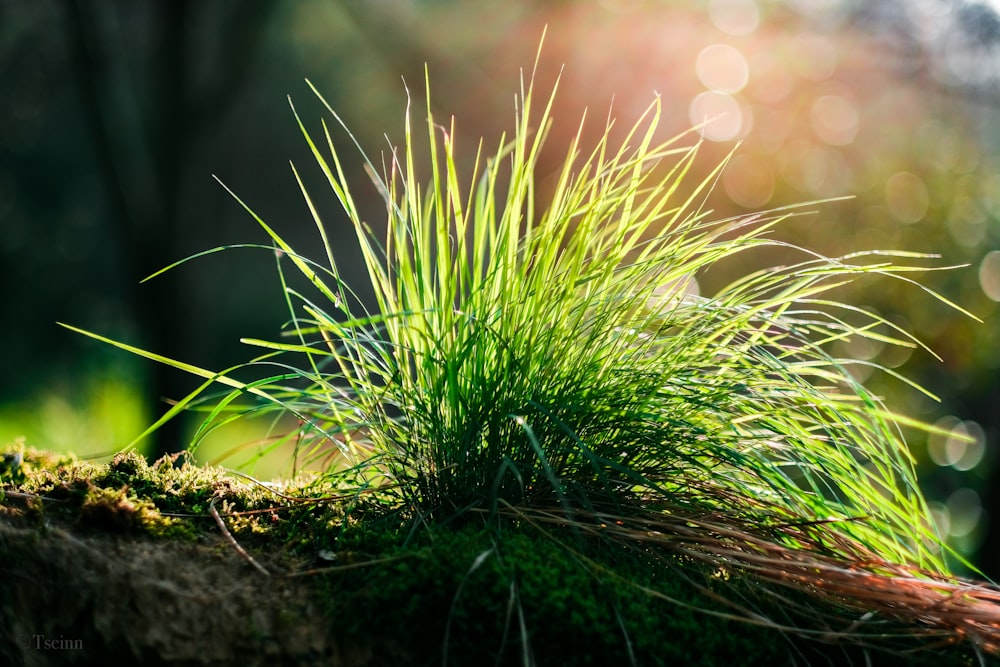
(116, 115)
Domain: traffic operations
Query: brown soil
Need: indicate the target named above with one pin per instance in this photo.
(74, 599)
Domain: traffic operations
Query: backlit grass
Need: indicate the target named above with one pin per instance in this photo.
(545, 365)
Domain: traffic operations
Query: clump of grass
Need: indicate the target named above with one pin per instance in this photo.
(546, 365)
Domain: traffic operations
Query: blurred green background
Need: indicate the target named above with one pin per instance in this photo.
(115, 116)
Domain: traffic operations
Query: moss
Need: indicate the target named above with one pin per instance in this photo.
(473, 596)
(466, 593)
(125, 495)
(114, 510)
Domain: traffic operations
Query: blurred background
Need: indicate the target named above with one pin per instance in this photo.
(115, 116)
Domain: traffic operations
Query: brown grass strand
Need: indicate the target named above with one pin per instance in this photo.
(858, 589)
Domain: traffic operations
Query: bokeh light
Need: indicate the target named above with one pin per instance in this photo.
(835, 119)
(734, 17)
(812, 56)
(907, 197)
(722, 68)
(719, 116)
(749, 180)
(956, 443)
(989, 275)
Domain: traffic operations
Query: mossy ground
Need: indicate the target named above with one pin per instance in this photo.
(345, 591)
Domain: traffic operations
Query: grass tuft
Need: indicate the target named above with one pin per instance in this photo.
(548, 365)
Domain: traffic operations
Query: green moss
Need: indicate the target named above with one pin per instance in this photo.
(125, 495)
(465, 593)
(170, 498)
(474, 596)
(115, 510)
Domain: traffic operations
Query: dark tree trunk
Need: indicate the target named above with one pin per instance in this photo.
(146, 214)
